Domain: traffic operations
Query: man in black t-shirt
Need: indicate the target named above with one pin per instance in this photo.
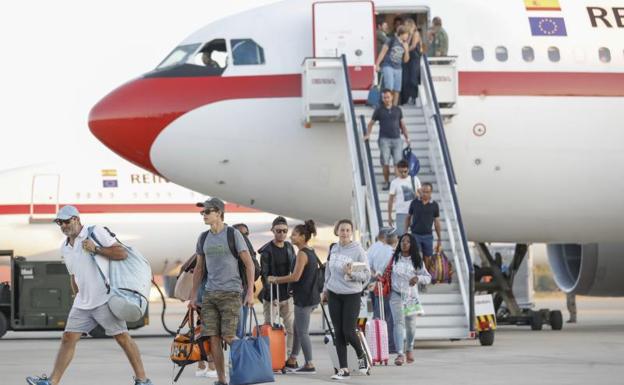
(277, 258)
(424, 214)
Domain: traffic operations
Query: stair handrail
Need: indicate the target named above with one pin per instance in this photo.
(374, 193)
(450, 173)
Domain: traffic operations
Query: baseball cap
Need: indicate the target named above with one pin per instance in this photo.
(67, 212)
(211, 203)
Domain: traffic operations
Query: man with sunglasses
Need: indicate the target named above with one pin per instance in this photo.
(277, 259)
(221, 301)
(90, 307)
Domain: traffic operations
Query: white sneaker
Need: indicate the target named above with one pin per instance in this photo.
(201, 372)
(211, 373)
(341, 375)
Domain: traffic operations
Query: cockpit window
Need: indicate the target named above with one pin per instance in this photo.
(179, 55)
(246, 52)
(213, 55)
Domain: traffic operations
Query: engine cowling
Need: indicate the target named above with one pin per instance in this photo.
(595, 269)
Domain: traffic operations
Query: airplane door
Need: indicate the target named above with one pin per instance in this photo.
(347, 27)
(44, 201)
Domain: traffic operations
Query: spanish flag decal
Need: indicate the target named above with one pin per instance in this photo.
(542, 5)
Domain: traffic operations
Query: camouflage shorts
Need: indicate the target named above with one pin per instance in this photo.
(220, 312)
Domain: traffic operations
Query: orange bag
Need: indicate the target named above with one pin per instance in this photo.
(189, 347)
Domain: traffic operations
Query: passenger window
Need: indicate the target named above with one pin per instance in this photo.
(501, 53)
(213, 55)
(477, 53)
(246, 52)
(528, 54)
(604, 54)
(553, 54)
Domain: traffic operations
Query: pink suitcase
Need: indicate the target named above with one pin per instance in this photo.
(377, 337)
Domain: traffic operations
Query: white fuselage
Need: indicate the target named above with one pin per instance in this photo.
(547, 169)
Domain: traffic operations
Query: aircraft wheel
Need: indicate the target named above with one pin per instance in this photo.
(556, 320)
(486, 337)
(536, 320)
(4, 324)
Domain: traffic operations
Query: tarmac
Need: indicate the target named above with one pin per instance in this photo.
(589, 352)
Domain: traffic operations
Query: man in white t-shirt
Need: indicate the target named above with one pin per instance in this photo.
(90, 307)
(402, 190)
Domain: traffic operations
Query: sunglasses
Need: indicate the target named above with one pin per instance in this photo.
(281, 231)
(62, 222)
(208, 211)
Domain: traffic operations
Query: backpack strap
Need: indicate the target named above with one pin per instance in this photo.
(91, 235)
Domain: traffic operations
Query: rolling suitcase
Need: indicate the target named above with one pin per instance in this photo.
(276, 334)
(352, 360)
(377, 335)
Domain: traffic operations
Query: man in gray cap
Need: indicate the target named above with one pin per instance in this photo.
(221, 248)
(90, 307)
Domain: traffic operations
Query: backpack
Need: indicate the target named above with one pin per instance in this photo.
(232, 245)
(188, 348)
(129, 281)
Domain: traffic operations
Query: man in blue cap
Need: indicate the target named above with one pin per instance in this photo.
(90, 307)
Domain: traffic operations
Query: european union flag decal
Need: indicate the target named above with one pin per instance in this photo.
(109, 183)
(548, 26)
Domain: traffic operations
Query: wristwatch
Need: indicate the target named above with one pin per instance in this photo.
(98, 249)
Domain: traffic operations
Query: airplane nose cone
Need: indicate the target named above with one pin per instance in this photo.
(129, 119)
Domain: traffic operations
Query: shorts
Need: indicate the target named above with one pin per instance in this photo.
(392, 78)
(83, 321)
(425, 244)
(391, 151)
(220, 312)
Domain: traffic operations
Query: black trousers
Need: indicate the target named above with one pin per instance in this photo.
(344, 310)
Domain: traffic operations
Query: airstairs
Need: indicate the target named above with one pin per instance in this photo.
(449, 307)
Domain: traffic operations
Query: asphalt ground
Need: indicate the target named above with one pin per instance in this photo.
(589, 352)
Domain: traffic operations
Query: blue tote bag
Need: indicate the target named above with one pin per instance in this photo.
(250, 358)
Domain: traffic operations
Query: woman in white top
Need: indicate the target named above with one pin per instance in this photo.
(408, 271)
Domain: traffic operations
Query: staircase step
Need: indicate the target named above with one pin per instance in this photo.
(441, 321)
(441, 333)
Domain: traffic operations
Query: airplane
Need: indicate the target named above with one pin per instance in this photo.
(535, 140)
(144, 210)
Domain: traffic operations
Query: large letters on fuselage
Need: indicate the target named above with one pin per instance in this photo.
(601, 17)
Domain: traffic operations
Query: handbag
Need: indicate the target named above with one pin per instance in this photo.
(184, 281)
(412, 306)
(250, 358)
(412, 161)
(188, 348)
(385, 280)
(374, 94)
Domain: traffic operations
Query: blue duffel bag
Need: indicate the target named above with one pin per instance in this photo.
(250, 358)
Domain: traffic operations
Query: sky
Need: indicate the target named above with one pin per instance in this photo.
(60, 58)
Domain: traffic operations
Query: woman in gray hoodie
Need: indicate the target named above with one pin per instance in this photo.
(346, 276)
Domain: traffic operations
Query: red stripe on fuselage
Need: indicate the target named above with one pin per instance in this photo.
(20, 209)
(129, 119)
(541, 84)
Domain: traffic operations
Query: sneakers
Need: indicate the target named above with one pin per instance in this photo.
(291, 367)
(341, 375)
(305, 370)
(43, 380)
(386, 186)
(363, 365)
(206, 373)
(146, 381)
(399, 360)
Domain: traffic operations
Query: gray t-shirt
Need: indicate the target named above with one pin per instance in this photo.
(389, 121)
(221, 265)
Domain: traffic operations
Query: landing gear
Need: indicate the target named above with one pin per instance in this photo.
(501, 288)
